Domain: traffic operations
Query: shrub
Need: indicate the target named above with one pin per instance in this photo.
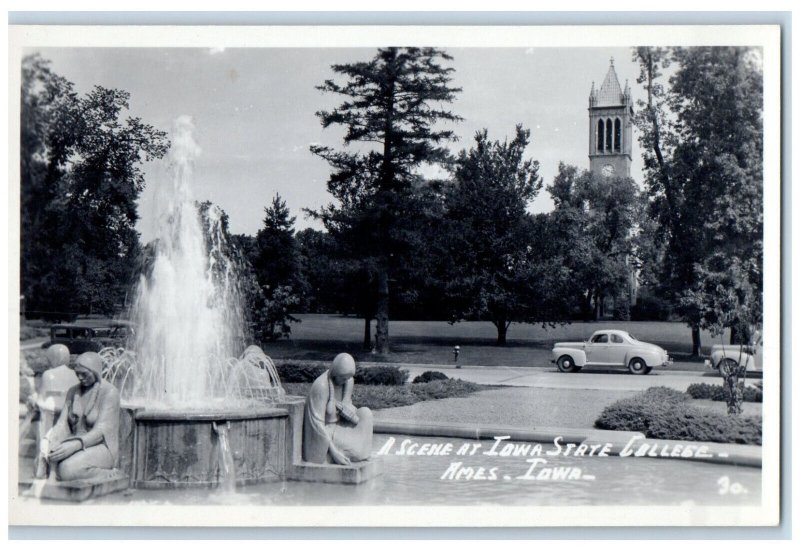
(664, 394)
(36, 360)
(690, 423)
(661, 412)
(299, 373)
(719, 393)
(429, 376)
(381, 375)
(31, 332)
(382, 396)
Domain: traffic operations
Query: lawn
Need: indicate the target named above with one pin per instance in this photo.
(320, 337)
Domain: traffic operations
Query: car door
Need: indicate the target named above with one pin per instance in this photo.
(81, 340)
(616, 350)
(597, 349)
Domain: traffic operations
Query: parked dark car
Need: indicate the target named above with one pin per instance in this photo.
(80, 338)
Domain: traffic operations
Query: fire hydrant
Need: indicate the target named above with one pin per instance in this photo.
(456, 350)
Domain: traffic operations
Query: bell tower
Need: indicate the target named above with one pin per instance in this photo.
(610, 135)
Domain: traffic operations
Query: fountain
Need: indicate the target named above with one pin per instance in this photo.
(196, 410)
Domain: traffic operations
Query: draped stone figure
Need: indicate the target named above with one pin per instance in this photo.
(334, 431)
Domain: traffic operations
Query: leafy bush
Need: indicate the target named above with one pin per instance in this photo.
(383, 396)
(429, 376)
(690, 423)
(36, 360)
(31, 332)
(381, 375)
(299, 373)
(661, 412)
(719, 393)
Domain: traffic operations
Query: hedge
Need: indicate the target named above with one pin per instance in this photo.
(719, 393)
(295, 372)
(384, 396)
(664, 413)
(429, 376)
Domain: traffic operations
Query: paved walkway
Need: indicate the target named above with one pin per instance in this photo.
(550, 377)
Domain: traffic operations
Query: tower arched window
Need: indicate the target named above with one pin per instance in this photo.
(617, 134)
(600, 136)
(609, 135)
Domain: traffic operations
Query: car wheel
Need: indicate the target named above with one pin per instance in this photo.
(638, 367)
(567, 365)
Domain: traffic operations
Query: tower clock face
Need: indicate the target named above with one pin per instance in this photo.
(608, 171)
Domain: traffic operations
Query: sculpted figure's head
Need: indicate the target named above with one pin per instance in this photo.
(343, 368)
(252, 349)
(89, 368)
(57, 354)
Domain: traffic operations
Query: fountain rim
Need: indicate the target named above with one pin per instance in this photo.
(232, 413)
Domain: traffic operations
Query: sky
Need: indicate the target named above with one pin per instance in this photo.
(254, 113)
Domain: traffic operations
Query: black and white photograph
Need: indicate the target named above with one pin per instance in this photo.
(395, 276)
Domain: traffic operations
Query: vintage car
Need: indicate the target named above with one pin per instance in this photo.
(609, 348)
(82, 338)
(734, 354)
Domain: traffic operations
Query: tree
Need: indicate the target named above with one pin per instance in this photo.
(598, 231)
(703, 138)
(81, 177)
(277, 259)
(492, 270)
(393, 106)
(278, 270)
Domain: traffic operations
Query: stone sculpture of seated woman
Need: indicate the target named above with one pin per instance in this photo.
(333, 430)
(84, 442)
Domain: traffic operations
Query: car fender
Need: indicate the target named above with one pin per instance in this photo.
(733, 353)
(650, 357)
(578, 355)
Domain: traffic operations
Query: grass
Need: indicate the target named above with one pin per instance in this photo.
(321, 337)
(381, 396)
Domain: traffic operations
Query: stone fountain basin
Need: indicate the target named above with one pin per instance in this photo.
(180, 448)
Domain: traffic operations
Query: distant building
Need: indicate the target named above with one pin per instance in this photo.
(611, 143)
(610, 127)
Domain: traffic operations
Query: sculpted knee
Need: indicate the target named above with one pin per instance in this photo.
(70, 469)
(364, 414)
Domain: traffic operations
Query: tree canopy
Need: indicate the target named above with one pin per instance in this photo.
(81, 174)
(702, 133)
(393, 106)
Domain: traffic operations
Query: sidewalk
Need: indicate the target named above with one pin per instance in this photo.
(550, 377)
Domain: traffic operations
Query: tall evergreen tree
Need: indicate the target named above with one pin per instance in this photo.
(278, 257)
(393, 106)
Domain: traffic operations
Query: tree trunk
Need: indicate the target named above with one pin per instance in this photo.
(367, 343)
(696, 340)
(598, 300)
(502, 331)
(382, 313)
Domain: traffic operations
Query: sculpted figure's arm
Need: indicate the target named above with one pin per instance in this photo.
(347, 393)
(60, 442)
(60, 430)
